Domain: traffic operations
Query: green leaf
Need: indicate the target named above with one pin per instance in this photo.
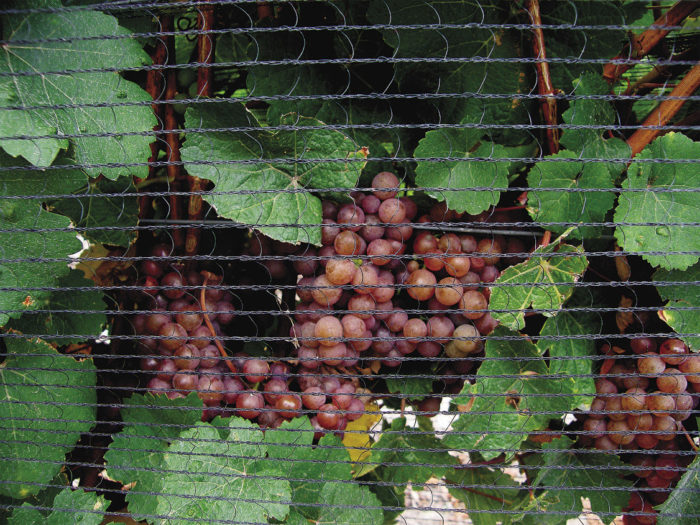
(287, 200)
(136, 454)
(412, 387)
(48, 400)
(489, 433)
(462, 174)
(681, 296)
(660, 207)
(504, 492)
(535, 286)
(575, 478)
(349, 504)
(683, 501)
(91, 212)
(52, 322)
(64, 53)
(310, 469)
(564, 324)
(210, 478)
(76, 506)
(408, 454)
(27, 214)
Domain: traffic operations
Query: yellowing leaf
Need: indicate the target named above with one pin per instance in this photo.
(358, 441)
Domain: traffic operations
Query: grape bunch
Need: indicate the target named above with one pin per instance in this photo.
(641, 407)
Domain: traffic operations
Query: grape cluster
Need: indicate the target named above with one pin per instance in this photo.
(353, 310)
(641, 406)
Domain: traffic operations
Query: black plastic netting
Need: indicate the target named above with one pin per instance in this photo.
(349, 262)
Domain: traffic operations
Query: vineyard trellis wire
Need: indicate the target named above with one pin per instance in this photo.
(354, 262)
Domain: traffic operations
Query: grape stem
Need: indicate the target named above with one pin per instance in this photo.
(203, 306)
(641, 45)
(544, 80)
(687, 436)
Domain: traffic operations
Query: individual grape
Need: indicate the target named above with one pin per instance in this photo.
(400, 233)
(491, 248)
(191, 319)
(635, 381)
(429, 348)
(651, 365)
(340, 271)
(643, 345)
(329, 330)
(378, 249)
(422, 284)
(200, 337)
(226, 312)
(156, 385)
(619, 432)
(665, 426)
(392, 211)
(325, 293)
(350, 214)
(308, 357)
(691, 368)
(595, 427)
(457, 266)
(365, 343)
(210, 390)
(411, 208)
(605, 386)
(673, 351)
(187, 357)
(397, 320)
(430, 406)
(392, 359)
(353, 326)
(329, 209)
(304, 289)
(661, 404)
(370, 204)
(348, 243)
(173, 280)
(166, 370)
(405, 347)
(384, 341)
(155, 322)
(255, 370)
(273, 389)
(470, 304)
(185, 381)
(489, 274)
(673, 381)
(451, 292)
(604, 443)
(385, 290)
(424, 243)
(175, 335)
(330, 384)
(645, 465)
(149, 364)
(209, 357)
(684, 407)
(328, 417)
(434, 264)
(416, 329)
(329, 231)
(613, 407)
(333, 355)
(469, 341)
(640, 422)
(647, 441)
(313, 398)
(372, 229)
(307, 264)
(387, 185)
(450, 243)
(486, 324)
(440, 327)
(289, 405)
(249, 404)
(366, 276)
(152, 268)
(161, 250)
(355, 410)
(468, 243)
(634, 400)
(476, 264)
(342, 397)
(667, 467)
(361, 305)
(647, 514)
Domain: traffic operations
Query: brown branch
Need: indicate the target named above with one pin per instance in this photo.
(687, 436)
(154, 87)
(642, 44)
(205, 78)
(207, 321)
(665, 111)
(544, 79)
(172, 139)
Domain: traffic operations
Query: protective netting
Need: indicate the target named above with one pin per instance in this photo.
(354, 262)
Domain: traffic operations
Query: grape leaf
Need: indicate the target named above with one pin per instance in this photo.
(136, 454)
(48, 400)
(534, 286)
(461, 174)
(503, 493)
(412, 387)
(220, 479)
(76, 506)
(509, 397)
(662, 207)
(683, 500)
(88, 212)
(412, 456)
(64, 53)
(350, 504)
(56, 323)
(309, 469)
(681, 296)
(564, 324)
(574, 479)
(286, 199)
